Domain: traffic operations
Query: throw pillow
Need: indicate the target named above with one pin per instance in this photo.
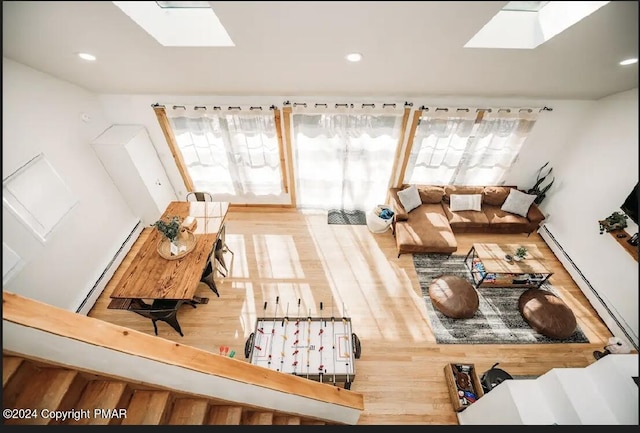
(410, 198)
(430, 194)
(460, 189)
(495, 195)
(465, 202)
(518, 202)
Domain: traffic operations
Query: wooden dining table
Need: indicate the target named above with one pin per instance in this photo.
(150, 276)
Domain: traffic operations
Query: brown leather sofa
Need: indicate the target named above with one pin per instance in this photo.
(430, 227)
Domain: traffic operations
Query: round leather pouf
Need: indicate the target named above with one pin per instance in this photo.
(547, 314)
(454, 297)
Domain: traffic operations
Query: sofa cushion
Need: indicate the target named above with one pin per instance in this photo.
(396, 206)
(518, 202)
(501, 219)
(456, 189)
(430, 194)
(410, 198)
(460, 202)
(466, 219)
(426, 230)
(495, 195)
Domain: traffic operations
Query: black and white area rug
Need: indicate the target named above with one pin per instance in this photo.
(346, 217)
(497, 320)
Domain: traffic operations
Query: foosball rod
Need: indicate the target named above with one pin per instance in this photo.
(285, 324)
(308, 341)
(320, 366)
(347, 338)
(260, 329)
(333, 342)
(273, 330)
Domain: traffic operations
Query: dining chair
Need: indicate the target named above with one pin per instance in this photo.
(220, 247)
(199, 196)
(164, 310)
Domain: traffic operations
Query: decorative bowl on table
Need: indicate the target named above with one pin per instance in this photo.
(183, 245)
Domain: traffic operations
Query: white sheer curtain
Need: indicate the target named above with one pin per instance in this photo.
(454, 149)
(344, 160)
(494, 147)
(229, 152)
(438, 147)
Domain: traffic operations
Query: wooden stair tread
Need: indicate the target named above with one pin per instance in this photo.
(147, 408)
(101, 394)
(44, 389)
(257, 418)
(224, 415)
(10, 365)
(286, 420)
(188, 411)
(312, 422)
(17, 382)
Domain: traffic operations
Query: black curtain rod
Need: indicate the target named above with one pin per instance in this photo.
(489, 110)
(345, 105)
(304, 104)
(214, 107)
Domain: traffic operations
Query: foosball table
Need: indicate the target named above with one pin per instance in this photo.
(318, 348)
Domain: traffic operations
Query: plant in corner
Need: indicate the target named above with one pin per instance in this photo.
(170, 227)
(537, 189)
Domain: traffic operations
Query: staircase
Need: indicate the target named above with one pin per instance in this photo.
(603, 393)
(57, 395)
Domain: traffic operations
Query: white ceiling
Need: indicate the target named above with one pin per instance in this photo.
(293, 48)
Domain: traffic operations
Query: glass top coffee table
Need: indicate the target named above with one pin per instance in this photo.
(489, 268)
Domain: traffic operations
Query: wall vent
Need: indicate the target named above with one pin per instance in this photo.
(109, 270)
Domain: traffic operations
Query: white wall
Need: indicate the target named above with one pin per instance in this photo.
(595, 173)
(42, 114)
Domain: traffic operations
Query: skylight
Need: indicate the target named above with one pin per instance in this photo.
(527, 24)
(178, 23)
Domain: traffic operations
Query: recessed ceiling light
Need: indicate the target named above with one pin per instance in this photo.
(87, 56)
(354, 57)
(628, 62)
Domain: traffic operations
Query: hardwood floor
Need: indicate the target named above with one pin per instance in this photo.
(293, 255)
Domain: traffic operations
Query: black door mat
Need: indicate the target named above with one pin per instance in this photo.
(346, 217)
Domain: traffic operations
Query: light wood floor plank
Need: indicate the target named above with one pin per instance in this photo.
(294, 255)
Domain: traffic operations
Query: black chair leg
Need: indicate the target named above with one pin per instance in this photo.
(207, 278)
(155, 327)
(219, 249)
(220, 260)
(173, 322)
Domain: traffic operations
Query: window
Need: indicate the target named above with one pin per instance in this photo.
(233, 154)
(465, 148)
(178, 23)
(528, 24)
(344, 160)
(38, 196)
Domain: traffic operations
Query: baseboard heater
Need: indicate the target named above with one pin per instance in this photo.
(583, 283)
(109, 270)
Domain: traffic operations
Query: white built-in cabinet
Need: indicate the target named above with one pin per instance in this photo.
(128, 155)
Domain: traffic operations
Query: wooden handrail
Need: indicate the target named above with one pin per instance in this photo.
(44, 317)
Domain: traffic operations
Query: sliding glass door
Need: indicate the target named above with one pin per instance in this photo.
(344, 160)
